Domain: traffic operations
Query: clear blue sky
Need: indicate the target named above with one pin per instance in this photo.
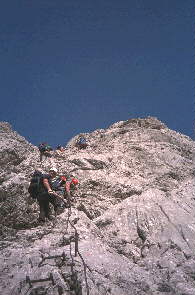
(72, 66)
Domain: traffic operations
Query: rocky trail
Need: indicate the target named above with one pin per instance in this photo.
(130, 229)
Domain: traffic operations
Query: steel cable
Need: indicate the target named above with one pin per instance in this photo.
(75, 283)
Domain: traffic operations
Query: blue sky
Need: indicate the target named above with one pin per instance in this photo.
(72, 66)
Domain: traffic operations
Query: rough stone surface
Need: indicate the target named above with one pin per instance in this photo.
(133, 212)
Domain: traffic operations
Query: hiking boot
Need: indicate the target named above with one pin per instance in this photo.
(59, 209)
(50, 217)
(41, 220)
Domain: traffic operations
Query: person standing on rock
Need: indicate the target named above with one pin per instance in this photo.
(60, 150)
(53, 187)
(70, 186)
(81, 143)
(45, 150)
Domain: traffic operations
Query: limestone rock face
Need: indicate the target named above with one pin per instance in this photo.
(130, 229)
(13, 149)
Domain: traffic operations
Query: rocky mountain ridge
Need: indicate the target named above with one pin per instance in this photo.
(133, 214)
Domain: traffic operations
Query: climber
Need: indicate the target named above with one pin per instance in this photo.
(53, 187)
(45, 150)
(59, 150)
(70, 187)
(57, 191)
(82, 143)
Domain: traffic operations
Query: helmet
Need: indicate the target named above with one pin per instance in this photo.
(53, 169)
(63, 178)
(75, 181)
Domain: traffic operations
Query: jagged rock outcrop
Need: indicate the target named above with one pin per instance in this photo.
(133, 213)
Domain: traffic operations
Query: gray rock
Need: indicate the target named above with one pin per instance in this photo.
(131, 227)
